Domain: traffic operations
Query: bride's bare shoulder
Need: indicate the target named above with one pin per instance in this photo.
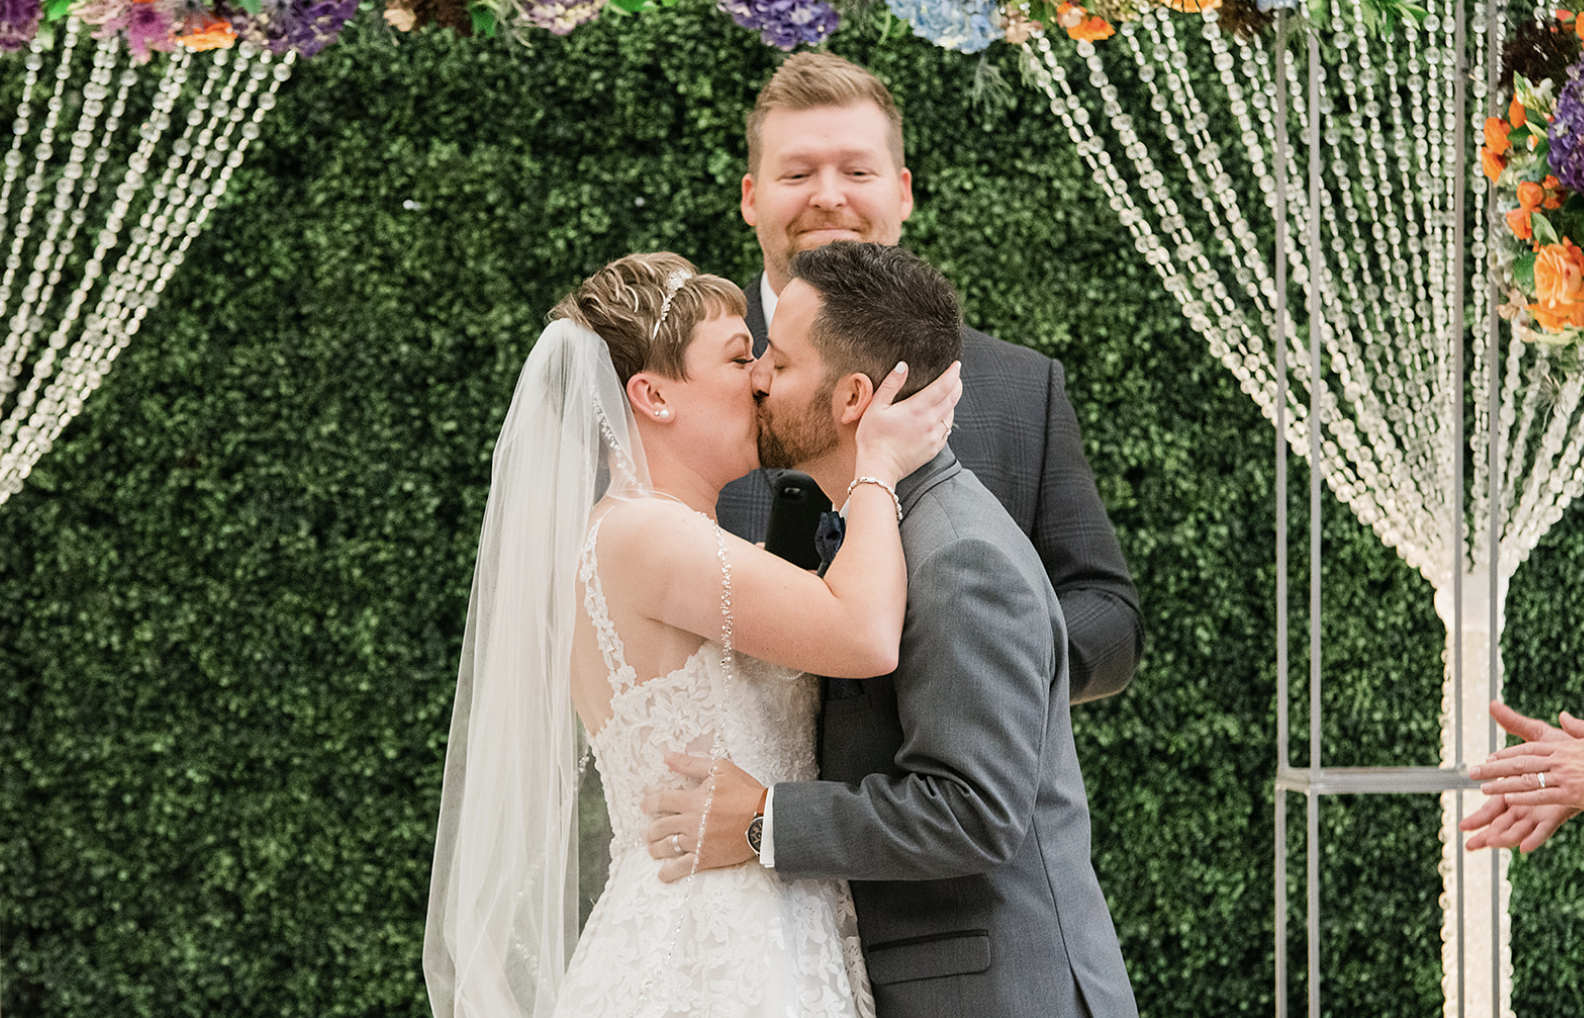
(652, 529)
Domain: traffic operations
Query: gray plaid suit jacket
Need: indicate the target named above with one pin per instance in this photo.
(951, 796)
(1016, 430)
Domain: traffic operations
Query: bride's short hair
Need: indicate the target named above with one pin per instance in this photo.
(622, 302)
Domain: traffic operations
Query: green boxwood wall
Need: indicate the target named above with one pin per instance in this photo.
(231, 599)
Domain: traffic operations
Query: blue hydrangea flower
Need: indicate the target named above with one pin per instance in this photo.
(1567, 131)
(967, 26)
(784, 24)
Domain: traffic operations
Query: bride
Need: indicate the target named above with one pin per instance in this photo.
(606, 601)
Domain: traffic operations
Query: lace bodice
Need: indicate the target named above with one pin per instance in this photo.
(728, 943)
(766, 717)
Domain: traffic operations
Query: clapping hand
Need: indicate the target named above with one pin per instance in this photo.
(1534, 787)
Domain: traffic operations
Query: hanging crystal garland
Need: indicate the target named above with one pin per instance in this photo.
(71, 298)
(1175, 163)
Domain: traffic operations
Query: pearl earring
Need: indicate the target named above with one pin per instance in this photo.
(664, 415)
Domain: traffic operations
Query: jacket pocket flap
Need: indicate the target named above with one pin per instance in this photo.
(944, 954)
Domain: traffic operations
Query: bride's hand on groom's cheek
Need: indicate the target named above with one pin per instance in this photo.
(675, 815)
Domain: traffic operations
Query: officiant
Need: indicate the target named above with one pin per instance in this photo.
(825, 163)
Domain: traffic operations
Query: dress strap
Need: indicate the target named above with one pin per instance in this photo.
(620, 672)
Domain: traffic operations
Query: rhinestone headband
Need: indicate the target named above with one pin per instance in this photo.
(673, 284)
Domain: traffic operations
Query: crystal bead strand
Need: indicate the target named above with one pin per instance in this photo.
(1533, 514)
(1383, 333)
(30, 442)
(49, 264)
(10, 354)
(1217, 196)
(33, 185)
(1529, 400)
(1344, 430)
(218, 131)
(1066, 105)
(1051, 76)
(1261, 83)
(1214, 314)
(1263, 389)
(1485, 259)
(189, 199)
(1211, 187)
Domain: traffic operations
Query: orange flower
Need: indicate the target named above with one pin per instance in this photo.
(1518, 222)
(1553, 189)
(205, 33)
(1550, 321)
(1092, 30)
(1081, 25)
(1491, 163)
(1530, 195)
(1515, 113)
(1496, 131)
(1559, 286)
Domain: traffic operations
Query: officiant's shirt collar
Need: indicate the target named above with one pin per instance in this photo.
(767, 297)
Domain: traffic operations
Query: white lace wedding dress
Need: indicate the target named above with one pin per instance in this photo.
(733, 943)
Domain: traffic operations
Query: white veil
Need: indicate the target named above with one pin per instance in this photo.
(503, 908)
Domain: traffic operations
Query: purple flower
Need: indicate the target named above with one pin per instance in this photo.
(18, 23)
(306, 26)
(149, 28)
(1567, 131)
(784, 24)
(318, 24)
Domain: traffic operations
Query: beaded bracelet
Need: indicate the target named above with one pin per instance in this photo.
(887, 488)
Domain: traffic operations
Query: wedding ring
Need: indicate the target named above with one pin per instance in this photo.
(676, 844)
(1542, 779)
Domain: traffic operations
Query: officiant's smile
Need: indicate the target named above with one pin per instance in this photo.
(824, 174)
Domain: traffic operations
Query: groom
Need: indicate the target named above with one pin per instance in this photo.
(951, 797)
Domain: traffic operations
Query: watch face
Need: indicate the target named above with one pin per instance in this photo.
(755, 833)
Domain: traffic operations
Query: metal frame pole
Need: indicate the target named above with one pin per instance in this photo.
(1316, 382)
(1283, 20)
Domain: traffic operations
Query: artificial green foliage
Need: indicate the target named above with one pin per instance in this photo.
(231, 599)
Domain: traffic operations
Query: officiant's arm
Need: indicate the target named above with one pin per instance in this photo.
(1082, 556)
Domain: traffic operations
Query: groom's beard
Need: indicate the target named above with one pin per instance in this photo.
(791, 438)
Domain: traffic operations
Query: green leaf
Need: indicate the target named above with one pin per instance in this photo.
(484, 22)
(56, 9)
(1523, 272)
(251, 6)
(1544, 232)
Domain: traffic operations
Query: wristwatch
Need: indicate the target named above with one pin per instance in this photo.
(755, 832)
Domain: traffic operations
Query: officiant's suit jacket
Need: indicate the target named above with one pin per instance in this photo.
(1016, 430)
(951, 796)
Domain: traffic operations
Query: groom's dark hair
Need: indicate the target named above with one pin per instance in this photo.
(881, 304)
